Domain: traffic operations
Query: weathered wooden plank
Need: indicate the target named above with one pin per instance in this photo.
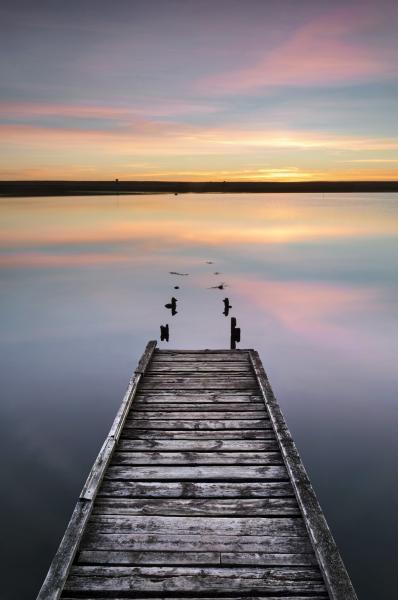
(199, 407)
(202, 380)
(257, 596)
(220, 473)
(322, 596)
(199, 489)
(231, 383)
(217, 424)
(264, 558)
(200, 377)
(199, 507)
(195, 558)
(195, 543)
(336, 577)
(294, 573)
(238, 356)
(177, 434)
(153, 558)
(199, 445)
(192, 415)
(223, 526)
(194, 396)
(199, 384)
(191, 579)
(197, 458)
(201, 367)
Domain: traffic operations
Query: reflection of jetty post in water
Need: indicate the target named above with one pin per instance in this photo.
(172, 306)
(227, 307)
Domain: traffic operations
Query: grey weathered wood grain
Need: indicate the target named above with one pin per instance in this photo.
(223, 526)
(193, 396)
(195, 407)
(216, 446)
(202, 415)
(190, 579)
(195, 543)
(219, 473)
(197, 458)
(195, 558)
(201, 597)
(164, 355)
(214, 434)
(196, 489)
(217, 424)
(152, 558)
(255, 596)
(266, 558)
(243, 368)
(197, 507)
(199, 383)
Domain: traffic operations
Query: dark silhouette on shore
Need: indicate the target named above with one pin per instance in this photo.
(181, 274)
(80, 188)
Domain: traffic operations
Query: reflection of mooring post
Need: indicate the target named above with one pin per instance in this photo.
(235, 333)
(227, 307)
(164, 333)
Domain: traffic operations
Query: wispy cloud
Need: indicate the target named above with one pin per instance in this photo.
(124, 113)
(328, 50)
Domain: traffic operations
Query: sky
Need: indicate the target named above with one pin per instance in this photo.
(199, 90)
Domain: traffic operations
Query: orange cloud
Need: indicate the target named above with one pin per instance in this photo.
(142, 223)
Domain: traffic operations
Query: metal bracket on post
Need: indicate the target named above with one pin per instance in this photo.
(235, 333)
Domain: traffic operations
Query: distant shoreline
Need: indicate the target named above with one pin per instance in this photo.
(85, 188)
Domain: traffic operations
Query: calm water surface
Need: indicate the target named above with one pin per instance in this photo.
(313, 283)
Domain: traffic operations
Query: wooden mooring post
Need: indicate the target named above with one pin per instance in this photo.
(198, 491)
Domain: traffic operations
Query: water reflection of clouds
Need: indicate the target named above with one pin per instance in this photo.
(311, 280)
(215, 220)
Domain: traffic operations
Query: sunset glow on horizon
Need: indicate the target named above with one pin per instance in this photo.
(199, 91)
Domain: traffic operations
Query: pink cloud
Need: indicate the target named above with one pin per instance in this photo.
(328, 50)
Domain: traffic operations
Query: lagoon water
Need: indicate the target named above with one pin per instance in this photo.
(313, 281)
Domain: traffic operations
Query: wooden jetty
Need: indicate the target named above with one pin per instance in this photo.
(198, 492)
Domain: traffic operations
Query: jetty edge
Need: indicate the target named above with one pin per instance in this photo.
(198, 490)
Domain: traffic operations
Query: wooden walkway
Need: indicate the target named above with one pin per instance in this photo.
(198, 492)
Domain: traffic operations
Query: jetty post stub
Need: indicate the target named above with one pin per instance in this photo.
(235, 333)
(164, 333)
